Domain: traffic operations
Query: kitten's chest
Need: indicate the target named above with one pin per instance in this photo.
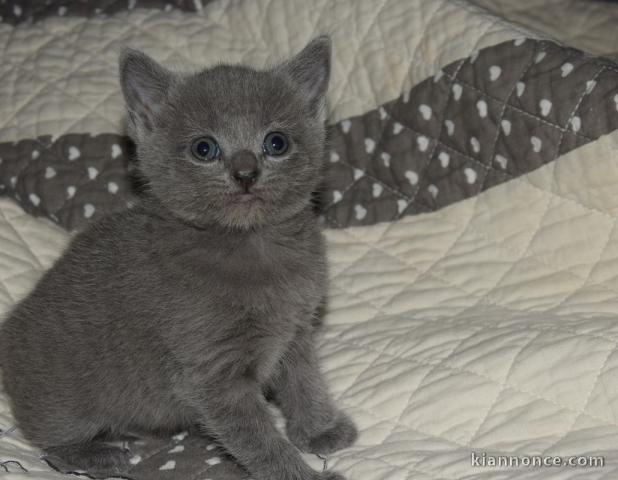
(252, 301)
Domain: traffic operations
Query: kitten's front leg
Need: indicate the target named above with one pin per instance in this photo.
(238, 416)
(314, 423)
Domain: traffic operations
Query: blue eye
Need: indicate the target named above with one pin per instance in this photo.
(275, 143)
(205, 149)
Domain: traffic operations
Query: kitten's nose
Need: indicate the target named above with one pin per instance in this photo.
(244, 169)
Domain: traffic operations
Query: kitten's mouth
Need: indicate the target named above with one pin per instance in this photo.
(244, 198)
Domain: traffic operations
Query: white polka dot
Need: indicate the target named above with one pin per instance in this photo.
(438, 75)
(539, 57)
(576, 123)
(521, 87)
(132, 4)
(386, 159)
(169, 465)
(423, 143)
(545, 106)
(536, 143)
(494, 72)
(444, 158)
(377, 190)
(34, 199)
(135, 459)
(17, 11)
(506, 127)
(168, 8)
(370, 145)
(502, 161)
(74, 153)
(590, 84)
(457, 91)
(425, 111)
(406, 96)
(433, 190)
(89, 210)
(481, 106)
(337, 196)
(476, 145)
(62, 11)
(50, 172)
(397, 128)
(71, 191)
(474, 55)
(210, 446)
(470, 175)
(177, 449)
(382, 113)
(450, 127)
(358, 173)
(361, 212)
(112, 187)
(401, 205)
(566, 68)
(412, 177)
(334, 157)
(35, 154)
(13, 181)
(1, 160)
(345, 126)
(616, 101)
(116, 150)
(519, 41)
(92, 173)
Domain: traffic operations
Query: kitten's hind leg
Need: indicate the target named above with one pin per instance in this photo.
(95, 457)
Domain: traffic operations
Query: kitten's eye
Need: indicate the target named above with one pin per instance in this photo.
(275, 143)
(205, 149)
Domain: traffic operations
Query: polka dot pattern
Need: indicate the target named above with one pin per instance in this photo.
(478, 122)
(18, 11)
(73, 180)
(187, 455)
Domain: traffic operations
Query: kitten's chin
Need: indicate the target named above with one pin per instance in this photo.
(243, 211)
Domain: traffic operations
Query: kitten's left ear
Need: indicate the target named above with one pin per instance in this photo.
(310, 70)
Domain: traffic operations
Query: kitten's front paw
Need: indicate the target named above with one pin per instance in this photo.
(341, 434)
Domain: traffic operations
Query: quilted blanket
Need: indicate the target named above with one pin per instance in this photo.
(470, 214)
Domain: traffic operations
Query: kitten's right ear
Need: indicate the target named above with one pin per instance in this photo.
(145, 86)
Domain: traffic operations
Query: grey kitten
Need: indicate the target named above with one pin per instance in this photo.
(190, 307)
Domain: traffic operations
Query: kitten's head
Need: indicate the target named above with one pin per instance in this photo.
(230, 145)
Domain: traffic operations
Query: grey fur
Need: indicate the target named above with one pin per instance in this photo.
(187, 308)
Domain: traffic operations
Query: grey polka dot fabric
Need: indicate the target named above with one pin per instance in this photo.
(73, 180)
(478, 122)
(23, 11)
(185, 455)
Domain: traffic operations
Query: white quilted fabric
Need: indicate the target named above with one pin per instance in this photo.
(27, 247)
(488, 326)
(588, 25)
(60, 75)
